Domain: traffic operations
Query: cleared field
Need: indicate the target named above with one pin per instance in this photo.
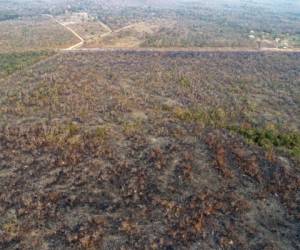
(30, 34)
(88, 27)
(88, 30)
(131, 36)
(131, 149)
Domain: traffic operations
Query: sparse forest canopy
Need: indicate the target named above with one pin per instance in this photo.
(10, 62)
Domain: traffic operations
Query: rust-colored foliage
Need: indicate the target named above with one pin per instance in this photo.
(93, 161)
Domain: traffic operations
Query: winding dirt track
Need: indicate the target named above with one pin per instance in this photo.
(77, 45)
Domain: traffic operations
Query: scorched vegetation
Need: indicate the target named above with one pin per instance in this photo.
(153, 150)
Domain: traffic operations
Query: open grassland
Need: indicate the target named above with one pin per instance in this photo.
(89, 30)
(11, 62)
(130, 36)
(29, 34)
(88, 27)
(131, 149)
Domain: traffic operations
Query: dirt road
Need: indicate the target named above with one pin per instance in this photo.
(193, 49)
(75, 46)
(109, 30)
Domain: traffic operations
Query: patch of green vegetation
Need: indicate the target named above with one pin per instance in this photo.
(271, 137)
(73, 129)
(102, 132)
(72, 135)
(132, 127)
(11, 62)
(268, 137)
(184, 82)
(60, 135)
(216, 117)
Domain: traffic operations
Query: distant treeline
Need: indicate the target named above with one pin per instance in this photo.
(7, 16)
